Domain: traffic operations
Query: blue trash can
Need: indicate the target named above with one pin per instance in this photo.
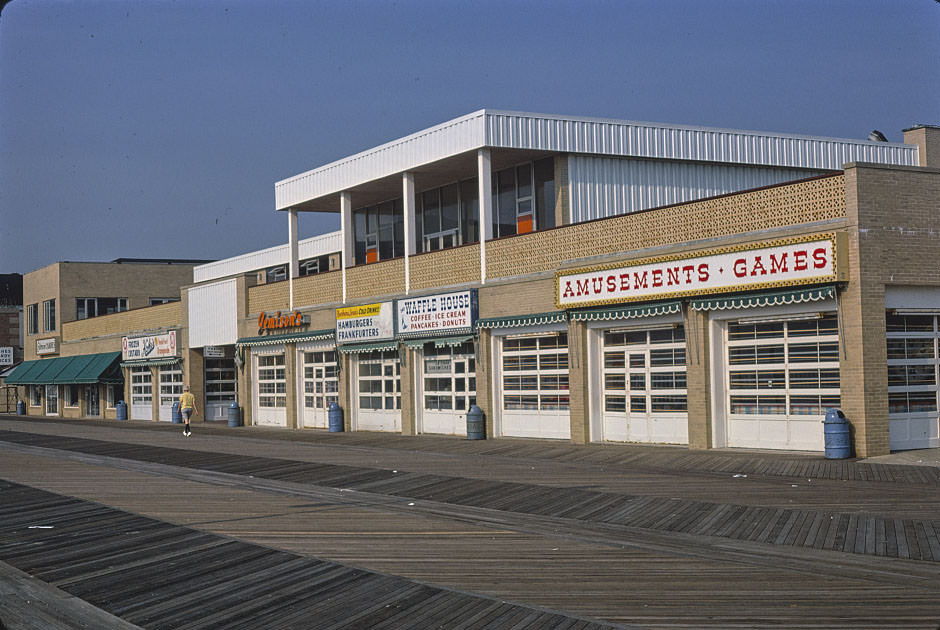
(121, 408)
(335, 415)
(476, 430)
(234, 415)
(177, 416)
(20, 408)
(837, 435)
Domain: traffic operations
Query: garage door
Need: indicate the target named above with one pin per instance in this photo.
(912, 381)
(534, 383)
(781, 377)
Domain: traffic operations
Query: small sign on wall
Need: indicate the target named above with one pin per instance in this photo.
(213, 352)
(149, 347)
(368, 322)
(46, 346)
(6, 355)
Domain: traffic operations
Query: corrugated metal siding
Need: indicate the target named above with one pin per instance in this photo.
(213, 314)
(604, 187)
(518, 130)
(263, 258)
(445, 140)
(649, 140)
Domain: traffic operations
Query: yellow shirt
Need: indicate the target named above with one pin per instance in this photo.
(187, 401)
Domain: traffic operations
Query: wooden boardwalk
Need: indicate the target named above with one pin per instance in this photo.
(436, 532)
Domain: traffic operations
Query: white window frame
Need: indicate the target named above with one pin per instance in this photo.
(71, 396)
(32, 319)
(48, 315)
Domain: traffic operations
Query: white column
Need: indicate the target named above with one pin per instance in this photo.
(408, 207)
(293, 262)
(348, 237)
(485, 179)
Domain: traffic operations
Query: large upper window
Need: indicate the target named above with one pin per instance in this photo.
(93, 307)
(380, 232)
(524, 198)
(448, 216)
(32, 319)
(48, 316)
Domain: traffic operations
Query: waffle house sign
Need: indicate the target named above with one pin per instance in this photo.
(806, 260)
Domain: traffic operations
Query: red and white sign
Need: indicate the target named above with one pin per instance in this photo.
(797, 261)
(149, 347)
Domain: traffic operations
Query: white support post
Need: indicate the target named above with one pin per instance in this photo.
(408, 208)
(348, 237)
(294, 262)
(485, 179)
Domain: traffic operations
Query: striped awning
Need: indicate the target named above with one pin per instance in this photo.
(271, 340)
(626, 312)
(535, 319)
(368, 347)
(151, 362)
(439, 342)
(753, 300)
(79, 369)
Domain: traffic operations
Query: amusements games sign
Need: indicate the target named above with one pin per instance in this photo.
(806, 260)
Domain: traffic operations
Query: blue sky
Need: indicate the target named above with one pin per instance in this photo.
(158, 129)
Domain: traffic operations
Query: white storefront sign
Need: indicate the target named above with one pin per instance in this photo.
(368, 322)
(806, 260)
(45, 346)
(442, 313)
(6, 355)
(149, 347)
(213, 352)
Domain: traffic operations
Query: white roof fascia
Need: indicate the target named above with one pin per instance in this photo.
(601, 136)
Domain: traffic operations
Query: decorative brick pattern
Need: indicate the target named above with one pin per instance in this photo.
(169, 315)
(767, 208)
(269, 297)
(460, 265)
(385, 278)
(322, 288)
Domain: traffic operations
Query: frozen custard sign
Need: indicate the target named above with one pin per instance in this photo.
(368, 322)
(805, 260)
(149, 347)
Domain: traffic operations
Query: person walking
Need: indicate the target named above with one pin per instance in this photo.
(187, 408)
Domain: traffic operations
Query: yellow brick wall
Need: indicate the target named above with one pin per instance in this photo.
(161, 316)
(385, 278)
(768, 208)
(460, 265)
(269, 297)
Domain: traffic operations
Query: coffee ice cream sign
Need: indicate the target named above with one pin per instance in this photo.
(806, 260)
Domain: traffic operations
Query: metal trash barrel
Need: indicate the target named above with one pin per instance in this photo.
(177, 416)
(234, 415)
(837, 435)
(335, 415)
(121, 408)
(476, 429)
(20, 408)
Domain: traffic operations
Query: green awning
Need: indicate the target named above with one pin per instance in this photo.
(270, 340)
(83, 368)
(535, 319)
(24, 372)
(368, 347)
(752, 300)
(626, 312)
(150, 362)
(439, 342)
